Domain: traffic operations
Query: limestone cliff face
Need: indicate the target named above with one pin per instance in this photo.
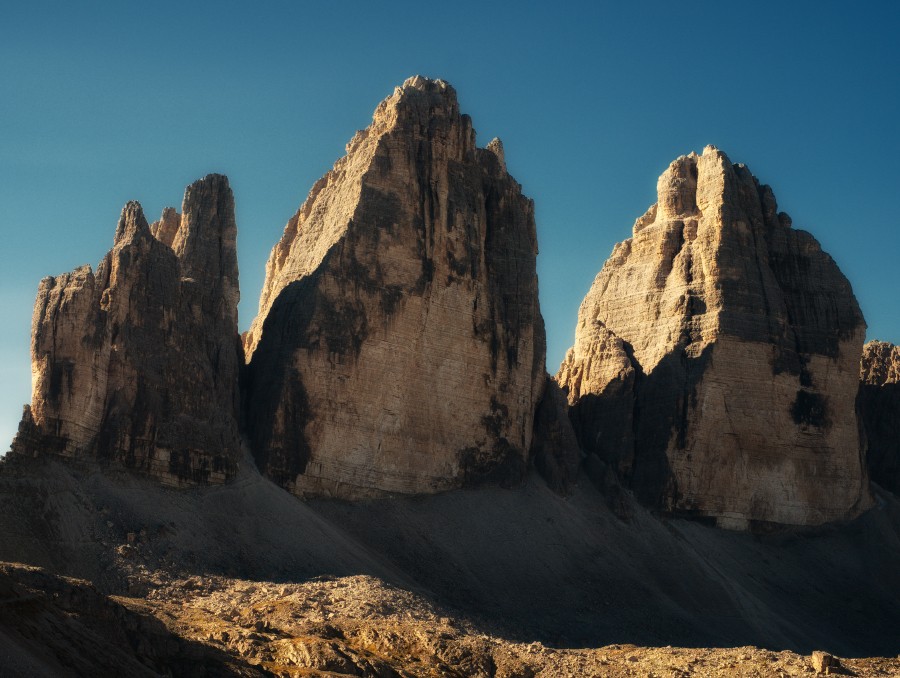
(399, 346)
(716, 358)
(879, 407)
(138, 363)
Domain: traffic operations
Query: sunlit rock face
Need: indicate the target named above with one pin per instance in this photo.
(716, 358)
(138, 363)
(879, 406)
(399, 346)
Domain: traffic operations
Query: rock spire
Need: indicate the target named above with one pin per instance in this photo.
(138, 363)
(399, 346)
(716, 357)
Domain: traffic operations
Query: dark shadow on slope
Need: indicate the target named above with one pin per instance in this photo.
(51, 626)
(524, 563)
(555, 452)
(629, 426)
(569, 573)
(604, 424)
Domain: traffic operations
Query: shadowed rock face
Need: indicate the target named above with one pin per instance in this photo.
(879, 407)
(554, 447)
(716, 358)
(138, 363)
(399, 346)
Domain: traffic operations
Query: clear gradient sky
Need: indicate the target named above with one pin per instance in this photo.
(104, 102)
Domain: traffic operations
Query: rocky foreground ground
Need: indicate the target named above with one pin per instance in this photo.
(329, 626)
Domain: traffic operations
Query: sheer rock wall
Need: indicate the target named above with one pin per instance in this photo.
(138, 362)
(716, 358)
(399, 346)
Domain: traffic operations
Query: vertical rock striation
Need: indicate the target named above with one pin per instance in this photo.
(879, 407)
(138, 363)
(716, 358)
(399, 346)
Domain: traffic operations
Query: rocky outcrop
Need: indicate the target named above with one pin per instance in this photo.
(138, 363)
(58, 626)
(715, 359)
(399, 346)
(879, 408)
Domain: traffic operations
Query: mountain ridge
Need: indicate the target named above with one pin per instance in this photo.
(379, 477)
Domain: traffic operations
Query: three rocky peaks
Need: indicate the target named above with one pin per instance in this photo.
(399, 345)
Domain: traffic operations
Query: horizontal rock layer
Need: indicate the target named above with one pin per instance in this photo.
(715, 358)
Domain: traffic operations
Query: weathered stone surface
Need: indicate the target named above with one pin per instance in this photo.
(715, 358)
(165, 229)
(823, 661)
(880, 364)
(356, 625)
(879, 407)
(138, 363)
(399, 346)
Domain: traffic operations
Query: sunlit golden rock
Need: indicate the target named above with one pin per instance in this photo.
(399, 346)
(716, 358)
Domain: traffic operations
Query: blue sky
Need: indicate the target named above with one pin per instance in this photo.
(101, 103)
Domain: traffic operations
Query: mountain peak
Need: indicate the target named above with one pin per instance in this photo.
(716, 358)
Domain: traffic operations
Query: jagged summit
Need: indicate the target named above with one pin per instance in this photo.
(420, 106)
(399, 346)
(495, 146)
(716, 356)
(880, 363)
(138, 363)
(132, 223)
(422, 83)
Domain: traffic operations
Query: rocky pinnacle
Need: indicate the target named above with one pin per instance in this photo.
(399, 346)
(716, 358)
(137, 364)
